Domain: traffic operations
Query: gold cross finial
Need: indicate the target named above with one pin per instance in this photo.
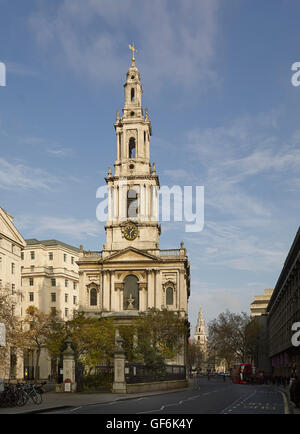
(133, 49)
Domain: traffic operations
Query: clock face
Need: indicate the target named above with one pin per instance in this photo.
(130, 232)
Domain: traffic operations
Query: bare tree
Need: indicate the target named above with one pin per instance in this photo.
(233, 337)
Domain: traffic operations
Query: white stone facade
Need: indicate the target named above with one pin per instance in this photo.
(50, 277)
(50, 282)
(11, 245)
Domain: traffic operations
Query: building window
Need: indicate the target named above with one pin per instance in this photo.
(132, 204)
(72, 259)
(53, 282)
(74, 285)
(22, 256)
(12, 268)
(66, 312)
(50, 256)
(132, 94)
(53, 297)
(30, 281)
(169, 296)
(132, 148)
(31, 296)
(53, 311)
(74, 299)
(13, 287)
(66, 283)
(65, 258)
(32, 255)
(66, 298)
(93, 297)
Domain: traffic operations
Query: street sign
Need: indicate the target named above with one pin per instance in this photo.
(2, 335)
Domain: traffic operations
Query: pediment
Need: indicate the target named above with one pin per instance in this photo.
(131, 254)
(8, 229)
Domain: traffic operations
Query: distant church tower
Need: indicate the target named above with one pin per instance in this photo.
(200, 337)
(132, 274)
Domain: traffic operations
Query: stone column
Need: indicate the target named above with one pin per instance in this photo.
(122, 207)
(119, 385)
(69, 364)
(143, 207)
(109, 203)
(154, 216)
(143, 296)
(116, 203)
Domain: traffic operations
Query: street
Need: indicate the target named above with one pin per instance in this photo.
(210, 397)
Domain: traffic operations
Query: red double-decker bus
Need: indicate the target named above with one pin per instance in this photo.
(242, 373)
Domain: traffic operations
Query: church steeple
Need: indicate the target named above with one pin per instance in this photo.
(200, 332)
(133, 189)
(133, 129)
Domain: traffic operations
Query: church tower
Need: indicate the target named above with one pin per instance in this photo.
(133, 189)
(132, 274)
(200, 337)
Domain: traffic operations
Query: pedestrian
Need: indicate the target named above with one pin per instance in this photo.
(291, 387)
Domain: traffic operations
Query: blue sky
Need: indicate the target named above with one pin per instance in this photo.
(217, 81)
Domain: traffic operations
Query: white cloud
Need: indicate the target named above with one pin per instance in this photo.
(175, 39)
(213, 301)
(47, 226)
(17, 175)
(231, 157)
(176, 173)
(233, 247)
(20, 69)
(49, 146)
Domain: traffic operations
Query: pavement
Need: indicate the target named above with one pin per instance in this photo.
(285, 391)
(58, 401)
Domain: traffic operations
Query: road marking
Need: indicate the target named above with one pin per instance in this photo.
(286, 406)
(74, 409)
(238, 401)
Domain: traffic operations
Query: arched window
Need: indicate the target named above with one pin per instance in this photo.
(132, 204)
(132, 148)
(169, 296)
(132, 94)
(131, 293)
(93, 297)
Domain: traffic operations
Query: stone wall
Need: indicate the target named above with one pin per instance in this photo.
(156, 386)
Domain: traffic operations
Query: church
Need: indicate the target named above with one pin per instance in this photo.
(132, 274)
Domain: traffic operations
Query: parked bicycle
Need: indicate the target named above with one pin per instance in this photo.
(18, 395)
